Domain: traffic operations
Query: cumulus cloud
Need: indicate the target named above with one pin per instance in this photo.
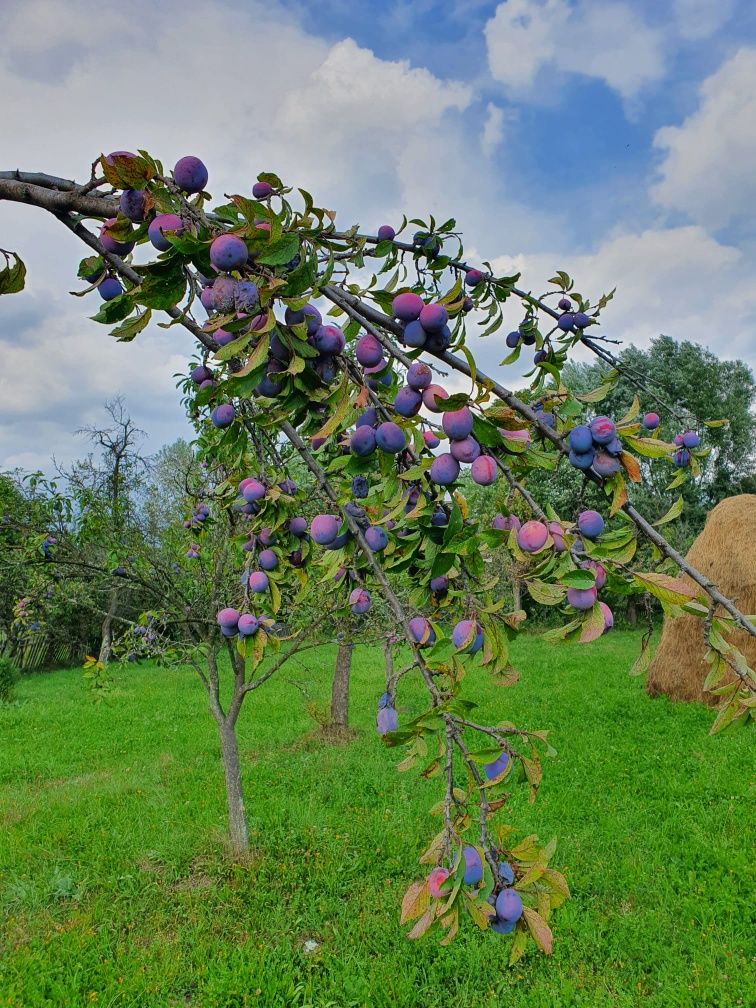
(605, 40)
(708, 171)
(357, 131)
(493, 129)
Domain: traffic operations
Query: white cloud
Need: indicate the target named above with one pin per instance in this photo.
(709, 166)
(699, 19)
(677, 281)
(606, 40)
(493, 129)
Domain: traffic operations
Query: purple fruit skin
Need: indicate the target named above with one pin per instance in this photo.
(309, 313)
(132, 203)
(433, 317)
(466, 450)
(419, 376)
(360, 601)
(258, 582)
(223, 338)
(368, 351)
(109, 288)
(228, 617)
(414, 335)
(390, 438)
(590, 524)
(200, 374)
(261, 190)
(461, 632)
(369, 418)
(418, 628)
(598, 569)
(386, 233)
(532, 536)
(439, 519)
(681, 458)
(224, 293)
(608, 616)
(458, 424)
(268, 560)
(298, 527)
(444, 470)
(582, 460)
(408, 401)
(512, 340)
(252, 490)
(605, 464)
(484, 471)
(497, 766)
(473, 277)
(580, 439)
(431, 395)
(387, 720)
(248, 625)
(161, 223)
(614, 447)
(691, 439)
(581, 320)
(439, 585)
(228, 252)
(603, 430)
(111, 244)
(566, 321)
(407, 307)
(650, 421)
(376, 538)
(362, 442)
(501, 926)
(360, 487)
(190, 174)
(509, 905)
(324, 528)
(581, 598)
(246, 296)
(329, 339)
(431, 441)
(564, 304)
(473, 866)
(223, 415)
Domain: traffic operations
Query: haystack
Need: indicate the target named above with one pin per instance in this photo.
(725, 552)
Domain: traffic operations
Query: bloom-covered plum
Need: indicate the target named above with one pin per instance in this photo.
(467, 630)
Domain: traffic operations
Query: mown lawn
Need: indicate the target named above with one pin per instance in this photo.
(114, 888)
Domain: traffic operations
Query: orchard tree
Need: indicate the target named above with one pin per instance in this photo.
(361, 405)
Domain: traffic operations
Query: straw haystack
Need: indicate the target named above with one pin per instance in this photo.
(726, 553)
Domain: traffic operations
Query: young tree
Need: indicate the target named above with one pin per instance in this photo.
(264, 378)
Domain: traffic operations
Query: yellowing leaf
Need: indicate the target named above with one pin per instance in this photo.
(674, 512)
(673, 591)
(416, 901)
(631, 467)
(539, 929)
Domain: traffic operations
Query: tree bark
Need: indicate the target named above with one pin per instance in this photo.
(237, 817)
(106, 641)
(340, 686)
(632, 612)
(516, 592)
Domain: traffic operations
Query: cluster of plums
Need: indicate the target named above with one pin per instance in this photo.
(232, 623)
(685, 444)
(595, 446)
(199, 516)
(47, 546)
(534, 536)
(507, 902)
(423, 325)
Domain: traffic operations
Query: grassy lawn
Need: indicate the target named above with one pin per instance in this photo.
(114, 889)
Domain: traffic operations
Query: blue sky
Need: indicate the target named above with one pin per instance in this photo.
(615, 140)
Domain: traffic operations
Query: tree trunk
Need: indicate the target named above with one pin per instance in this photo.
(107, 627)
(632, 612)
(340, 686)
(237, 818)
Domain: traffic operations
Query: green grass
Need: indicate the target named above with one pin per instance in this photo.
(114, 888)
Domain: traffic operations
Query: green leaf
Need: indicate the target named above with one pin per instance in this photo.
(674, 512)
(280, 252)
(163, 285)
(131, 327)
(546, 594)
(673, 591)
(649, 447)
(579, 579)
(13, 276)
